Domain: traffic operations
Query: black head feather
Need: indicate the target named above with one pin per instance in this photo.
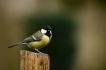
(47, 31)
(47, 28)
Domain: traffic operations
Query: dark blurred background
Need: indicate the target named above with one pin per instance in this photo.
(79, 32)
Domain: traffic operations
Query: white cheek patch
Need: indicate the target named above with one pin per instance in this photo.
(44, 31)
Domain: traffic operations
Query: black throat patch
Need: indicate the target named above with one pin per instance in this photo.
(48, 33)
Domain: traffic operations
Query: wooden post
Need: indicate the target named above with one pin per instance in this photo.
(33, 61)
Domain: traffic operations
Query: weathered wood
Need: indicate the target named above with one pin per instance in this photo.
(33, 61)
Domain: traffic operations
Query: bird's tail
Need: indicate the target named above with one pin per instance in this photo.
(14, 45)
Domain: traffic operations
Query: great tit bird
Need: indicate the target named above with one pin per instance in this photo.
(38, 40)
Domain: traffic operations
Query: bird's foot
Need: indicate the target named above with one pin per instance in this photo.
(41, 52)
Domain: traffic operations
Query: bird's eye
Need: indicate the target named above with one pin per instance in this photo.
(50, 31)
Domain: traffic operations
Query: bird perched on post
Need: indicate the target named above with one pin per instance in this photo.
(38, 40)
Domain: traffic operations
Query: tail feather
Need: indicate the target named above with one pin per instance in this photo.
(14, 45)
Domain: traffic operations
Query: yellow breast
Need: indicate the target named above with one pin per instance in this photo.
(39, 44)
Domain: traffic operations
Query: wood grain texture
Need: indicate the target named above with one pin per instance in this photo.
(33, 61)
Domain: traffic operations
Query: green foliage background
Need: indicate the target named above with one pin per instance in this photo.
(62, 46)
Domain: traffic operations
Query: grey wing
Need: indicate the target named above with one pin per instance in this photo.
(37, 36)
(29, 39)
(32, 38)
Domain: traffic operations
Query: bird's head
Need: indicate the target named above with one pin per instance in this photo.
(46, 30)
